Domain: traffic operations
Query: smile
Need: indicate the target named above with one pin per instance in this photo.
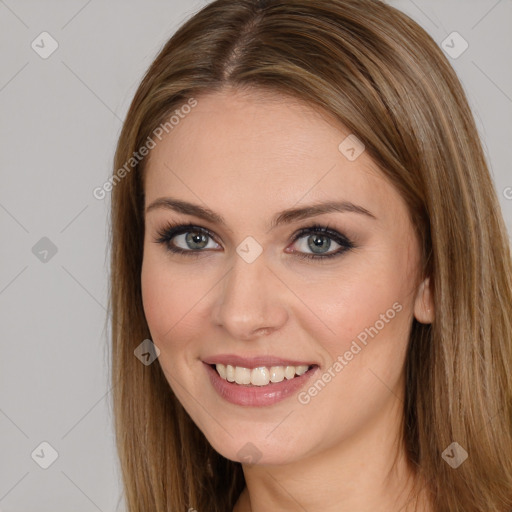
(260, 376)
(258, 385)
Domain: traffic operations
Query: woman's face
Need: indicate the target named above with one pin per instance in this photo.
(244, 293)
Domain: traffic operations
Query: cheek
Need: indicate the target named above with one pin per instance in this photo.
(168, 300)
(368, 304)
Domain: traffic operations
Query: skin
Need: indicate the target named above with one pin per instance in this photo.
(248, 155)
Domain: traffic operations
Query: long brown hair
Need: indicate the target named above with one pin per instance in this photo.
(379, 74)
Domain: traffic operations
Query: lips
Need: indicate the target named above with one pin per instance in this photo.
(257, 381)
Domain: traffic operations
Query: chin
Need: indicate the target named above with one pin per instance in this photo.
(256, 446)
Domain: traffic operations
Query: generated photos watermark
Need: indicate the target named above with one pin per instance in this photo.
(304, 397)
(171, 123)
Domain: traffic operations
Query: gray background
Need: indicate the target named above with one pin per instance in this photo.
(60, 119)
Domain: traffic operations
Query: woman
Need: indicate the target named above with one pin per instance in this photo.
(341, 336)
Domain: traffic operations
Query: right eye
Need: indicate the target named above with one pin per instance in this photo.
(194, 238)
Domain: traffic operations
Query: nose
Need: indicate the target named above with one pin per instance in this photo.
(251, 301)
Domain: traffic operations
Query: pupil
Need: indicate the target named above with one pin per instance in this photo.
(197, 239)
(318, 241)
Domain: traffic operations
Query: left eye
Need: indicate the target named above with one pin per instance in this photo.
(317, 239)
(318, 244)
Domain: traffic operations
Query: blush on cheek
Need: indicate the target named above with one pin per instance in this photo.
(158, 306)
(171, 315)
(369, 327)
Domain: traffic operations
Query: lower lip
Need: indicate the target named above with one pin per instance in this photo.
(257, 396)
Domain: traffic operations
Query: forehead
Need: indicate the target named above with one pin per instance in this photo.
(259, 152)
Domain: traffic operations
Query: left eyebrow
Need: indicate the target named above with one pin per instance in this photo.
(294, 214)
(284, 217)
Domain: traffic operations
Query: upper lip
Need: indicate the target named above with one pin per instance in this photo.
(254, 362)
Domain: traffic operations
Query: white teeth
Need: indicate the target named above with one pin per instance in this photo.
(289, 372)
(242, 375)
(230, 373)
(260, 376)
(301, 370)
(276, 374)
(222, 370)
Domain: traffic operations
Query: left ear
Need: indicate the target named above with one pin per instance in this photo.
(424, 303)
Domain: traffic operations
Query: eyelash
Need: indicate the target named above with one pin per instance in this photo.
(171, 229)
